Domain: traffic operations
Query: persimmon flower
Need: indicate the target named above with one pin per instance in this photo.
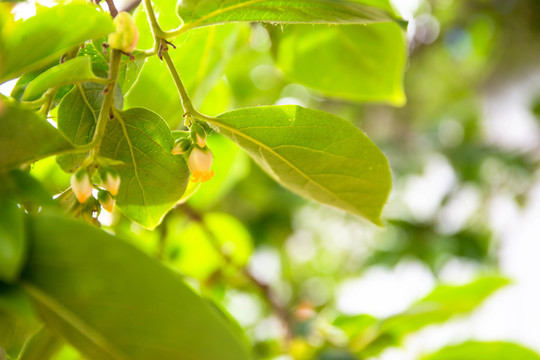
(110, 180)
(106, 200)
(198, 134)
(200, 162)
(81, 185)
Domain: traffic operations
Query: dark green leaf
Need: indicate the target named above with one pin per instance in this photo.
(23, 188)
(196, 13)
(26, 137)
(113, 302)
(153, 180)
(361, 63)
(315, 154)
(72, 71)
(475, 350)
(12, 240)
(31, 44)
(17, 319)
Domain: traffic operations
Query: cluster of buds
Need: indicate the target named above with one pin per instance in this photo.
(199, 157)
(82, 186)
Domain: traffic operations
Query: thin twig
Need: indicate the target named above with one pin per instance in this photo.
(112, 8)
(268, 294)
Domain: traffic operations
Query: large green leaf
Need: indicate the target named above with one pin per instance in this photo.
(113, 302)
(31, 44)
(72, 71)
(315, 154)
(361, 63)
(153, 180)
(26, 137)
(196, 13)
(475, 350)
(12, 240)
(18, 320)
(41, 346)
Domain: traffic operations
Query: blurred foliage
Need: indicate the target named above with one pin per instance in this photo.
(459, 51)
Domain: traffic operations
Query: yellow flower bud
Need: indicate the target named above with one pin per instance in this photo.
(198, 134)
(81, 185)
(200, 162)
(181, 146)
(127, 35)
(106, 200)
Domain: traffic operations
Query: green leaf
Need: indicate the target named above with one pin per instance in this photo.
(197, 13)
(153, 180)
(77, 118)
(31, 44)
(314, 154)
(17, 319)
(443, 303)
(23, 188)
(475, 350)
(12, 240)
(72, 71)
(26, 137)
(359, 63)
(112, 301)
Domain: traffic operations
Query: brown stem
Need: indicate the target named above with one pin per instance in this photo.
(112, 8)
(268, 294)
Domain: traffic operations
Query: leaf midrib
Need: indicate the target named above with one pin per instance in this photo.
(292, 166)
(82, 327)
(135, 170)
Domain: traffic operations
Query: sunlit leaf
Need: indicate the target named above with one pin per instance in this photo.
(361, 63)
(72, 71)
(111, 301)
(315, 154)
(153, 180)
(443, 303)
(475, 350)
(31, 44)
(196, 13)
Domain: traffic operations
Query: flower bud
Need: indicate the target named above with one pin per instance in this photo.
(110, 180)
(106, 200)
(200, 162)
(91, 211)
(127, 35)
(81, 185)
(181, 146)
(198, 134)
